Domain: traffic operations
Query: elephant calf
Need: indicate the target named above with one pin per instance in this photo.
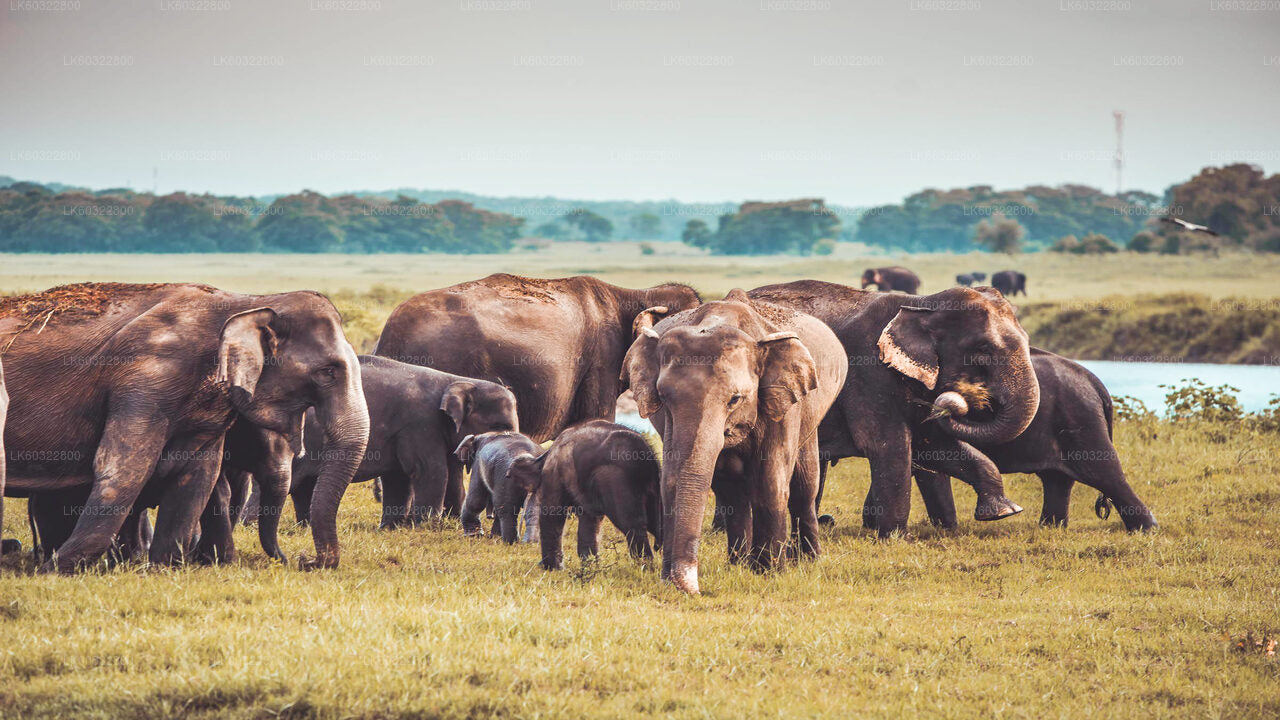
(597, 469)
(488, 457)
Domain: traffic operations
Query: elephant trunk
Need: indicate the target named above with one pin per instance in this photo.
(686, 479)
(345, 420)
(1016, 401)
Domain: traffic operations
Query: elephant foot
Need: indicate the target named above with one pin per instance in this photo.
(10, 545)
(307, 564)
(995, 508)
(826, 521)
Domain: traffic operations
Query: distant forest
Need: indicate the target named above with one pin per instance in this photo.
(1238, 202)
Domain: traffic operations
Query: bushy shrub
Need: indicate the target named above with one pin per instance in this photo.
(825, 246)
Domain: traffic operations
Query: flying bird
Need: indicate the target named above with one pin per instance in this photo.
(1188, 225)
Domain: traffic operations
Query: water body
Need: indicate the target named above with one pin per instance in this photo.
(1257, 383)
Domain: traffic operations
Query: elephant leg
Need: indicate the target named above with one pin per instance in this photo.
(771, 494)
(272, 479)
(252, 504)
(301, 490)
(396, 496)
(216, 543)
(423, 460)
(376, 488)
(478, 498)
(1098, 466)
(241, 483)
(551, 527)
(1057, 497)
(134, 539)
(804, 499)
(935, 490)
(732, 495)
(506, 511)
(183, 503)
(532, 515)
(124, 460)
(959, 459)
(453, 495)
(888, 503)
(53, 517)
(588, 536)
(718, 521)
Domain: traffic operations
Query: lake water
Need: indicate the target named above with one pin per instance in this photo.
(1142, 380)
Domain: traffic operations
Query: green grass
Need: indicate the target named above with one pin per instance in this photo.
(1004, 619)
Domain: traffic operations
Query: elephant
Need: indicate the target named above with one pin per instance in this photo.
(736, 389)
(489, 456)
(968, 279)
(417, 415)
(598, 469)
(558, 344)
(129, 390)
(1068, 441)
(7, 545)
(1009, 282)
(904, 352)
(892, 278)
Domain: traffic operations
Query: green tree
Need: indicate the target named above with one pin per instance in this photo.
(1000, 234)
(697, 234)
(645, 226)
(594, 228)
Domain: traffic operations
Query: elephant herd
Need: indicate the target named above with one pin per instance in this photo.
(1008, 282)
(180, 397)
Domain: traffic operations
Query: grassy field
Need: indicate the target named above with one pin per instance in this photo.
(1006, 619)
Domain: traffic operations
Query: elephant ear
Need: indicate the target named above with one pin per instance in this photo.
(244, 345)
(466, 451)
(789, 373)
(906, 346)
(643, 324)
(456, 402)
(526, 471)
(640, 372)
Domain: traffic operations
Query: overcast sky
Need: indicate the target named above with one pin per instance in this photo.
(699, 101)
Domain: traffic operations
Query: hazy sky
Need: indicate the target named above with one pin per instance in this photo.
(860, 103)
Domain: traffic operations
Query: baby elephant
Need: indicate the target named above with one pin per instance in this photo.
(488, 457)
(598, 469)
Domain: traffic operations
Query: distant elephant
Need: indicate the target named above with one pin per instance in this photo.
(736, 389)
(418, 415)
(968, 279)
(1069, 440)
(1009, 282)
(558, 344)
(891, 278)
(597, 469)
(904, 352)
(488, 457)
(129, 390)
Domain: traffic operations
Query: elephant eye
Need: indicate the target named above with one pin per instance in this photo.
(326, 373)
(733, 401)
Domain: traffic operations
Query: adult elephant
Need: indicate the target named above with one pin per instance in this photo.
(8, 544)
(1068, 441)
(129, 390)
(557, 344)
(904, 352)
(891, 278)
(1009, 282)
(736, 388)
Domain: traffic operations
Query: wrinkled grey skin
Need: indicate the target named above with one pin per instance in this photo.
(418, 416)
(904, 353)
(488, 456)
(736, 388)
(888, 279)
(1069, 441)
(596, 469)
(150, 379)
(557, 343)
(1009, 282)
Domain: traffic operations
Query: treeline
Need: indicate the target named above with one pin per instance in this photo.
(34, 218)
(800, 227)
